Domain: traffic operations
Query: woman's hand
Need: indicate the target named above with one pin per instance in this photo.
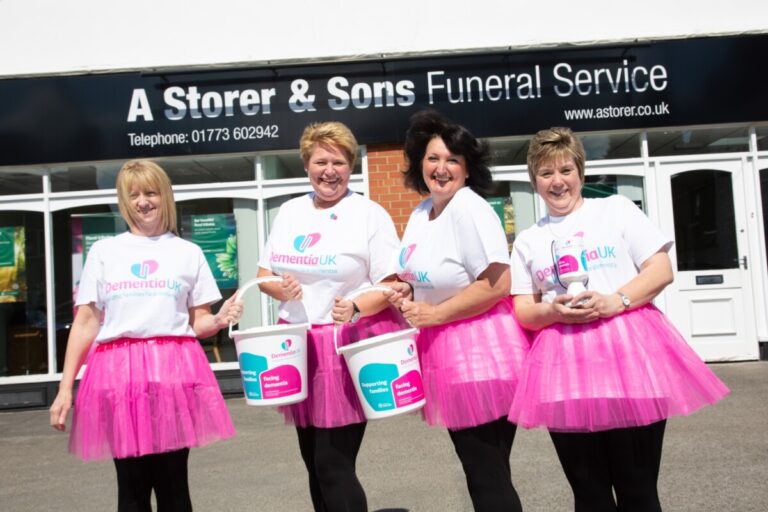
(398, 293)
(290, 288)
(342, 310)
(606, 306)
(229, 312)
(580, 312)
(60, 408)
(420, 314)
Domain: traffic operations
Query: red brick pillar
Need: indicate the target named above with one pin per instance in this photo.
(386, 164)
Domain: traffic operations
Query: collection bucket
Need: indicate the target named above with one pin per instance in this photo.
(386, 372)
(273, 359)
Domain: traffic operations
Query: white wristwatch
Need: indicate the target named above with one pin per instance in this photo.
(355, 313)
(624, 300)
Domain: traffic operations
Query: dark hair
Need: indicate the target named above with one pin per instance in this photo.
(428, 124)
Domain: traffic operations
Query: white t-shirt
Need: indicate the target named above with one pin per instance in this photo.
(441, 257)
(618, 238)
(146, 285)
(332, 252)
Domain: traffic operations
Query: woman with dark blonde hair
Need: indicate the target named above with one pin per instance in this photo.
(148, 394)
(327, 245)
(606, 368)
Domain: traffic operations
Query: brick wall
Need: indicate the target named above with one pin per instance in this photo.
(385, 175)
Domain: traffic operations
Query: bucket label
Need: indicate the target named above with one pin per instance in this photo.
(251, 367)
(375, 381)
(281, 381)
(408, 389)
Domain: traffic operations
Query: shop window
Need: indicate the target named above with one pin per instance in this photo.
(604, 185)
(509, 152)
(762, 138)
(513, 202)
(14, 182)
(694, 142)
(23, 322)
(182, 171)
(214, 169)
(99, 176)
(611, 146)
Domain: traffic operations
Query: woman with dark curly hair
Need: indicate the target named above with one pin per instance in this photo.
(454, 265)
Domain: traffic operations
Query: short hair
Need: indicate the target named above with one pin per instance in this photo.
(331, 133)
(552, 143)
(146, 175)
(427, 124)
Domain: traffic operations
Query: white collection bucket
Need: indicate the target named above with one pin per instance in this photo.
(273, 359)
(385, 370)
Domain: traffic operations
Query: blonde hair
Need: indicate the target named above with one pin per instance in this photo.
(331, 133)
(551, 143)
(146, 175)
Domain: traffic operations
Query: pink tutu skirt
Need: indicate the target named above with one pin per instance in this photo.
(332, 400)
(471, 367)
(143, 396)
(630, 370)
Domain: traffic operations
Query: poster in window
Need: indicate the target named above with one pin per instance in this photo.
(216, 236)
(13, 267)
(87, 229)
(504, 209)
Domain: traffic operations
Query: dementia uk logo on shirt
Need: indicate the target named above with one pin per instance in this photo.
(602, 256)
(412, 276)
(147, 282)
(303, 258)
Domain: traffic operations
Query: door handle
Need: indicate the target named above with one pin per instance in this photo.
(743, 262)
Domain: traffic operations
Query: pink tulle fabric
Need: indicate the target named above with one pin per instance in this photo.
(471, 367)
(332, 400)
(630, 370)
(143, 396)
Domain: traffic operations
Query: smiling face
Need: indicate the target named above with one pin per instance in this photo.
(146, 211)
(559, 184)
(329, 171)
(443, 172)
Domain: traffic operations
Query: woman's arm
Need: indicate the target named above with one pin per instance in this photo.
(368, 303)
(655, 275)
(491, 286)
(206, 324)
(85, 327)
(287, 289)
(533, 314)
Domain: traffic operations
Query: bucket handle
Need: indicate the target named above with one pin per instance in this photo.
(250, 284)
(353, 295)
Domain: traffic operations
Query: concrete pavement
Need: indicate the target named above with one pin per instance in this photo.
(714, 460)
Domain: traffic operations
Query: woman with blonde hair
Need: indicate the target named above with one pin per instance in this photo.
(148, 394)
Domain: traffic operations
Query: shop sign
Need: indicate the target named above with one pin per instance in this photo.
(629, 86)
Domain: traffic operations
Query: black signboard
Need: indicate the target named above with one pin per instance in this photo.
(629, 86)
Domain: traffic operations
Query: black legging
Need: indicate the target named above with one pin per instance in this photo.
(330, 455)
(624, 460)
(484, 452)
(166, 473)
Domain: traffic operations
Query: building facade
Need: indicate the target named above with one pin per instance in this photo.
(677, 124)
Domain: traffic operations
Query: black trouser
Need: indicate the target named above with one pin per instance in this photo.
(330, 455)
(166, 473)
(624, 460)
(484, 452)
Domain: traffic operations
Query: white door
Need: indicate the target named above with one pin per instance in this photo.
(710, 301)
